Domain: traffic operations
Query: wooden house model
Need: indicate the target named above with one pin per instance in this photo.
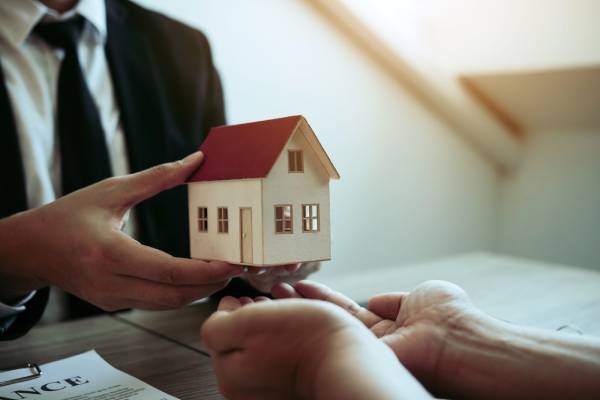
(261, 196)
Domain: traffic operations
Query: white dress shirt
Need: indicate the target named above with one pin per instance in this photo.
(31, 73)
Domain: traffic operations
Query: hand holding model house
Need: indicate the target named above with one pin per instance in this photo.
(76, 243)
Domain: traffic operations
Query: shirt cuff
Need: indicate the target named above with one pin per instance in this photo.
(9, 310)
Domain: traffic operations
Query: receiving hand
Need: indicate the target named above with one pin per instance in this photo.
(76, 243)
(458, 351)
(414, 325)
(300, 349)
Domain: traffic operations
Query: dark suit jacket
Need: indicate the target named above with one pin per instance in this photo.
(169, 95)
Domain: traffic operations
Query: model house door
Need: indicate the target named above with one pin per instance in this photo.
(246, 235)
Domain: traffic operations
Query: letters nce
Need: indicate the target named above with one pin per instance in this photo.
(33, 391)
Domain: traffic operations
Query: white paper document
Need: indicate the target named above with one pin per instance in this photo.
(83, 377)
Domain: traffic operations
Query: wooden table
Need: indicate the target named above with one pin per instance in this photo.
(165, 364)
(164, 348)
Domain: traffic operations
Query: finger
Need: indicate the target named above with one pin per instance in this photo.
(245, 300)
(136, 260)
(291, 268)
(229, 304)
(151, 298)
(256, 270)
(161, 295)
(387, 305)
(130, 304)
(147, 183)
(225, 330)
(258, 299)
(219, 331)
(284, 290)
(286, 268)
(317, 291)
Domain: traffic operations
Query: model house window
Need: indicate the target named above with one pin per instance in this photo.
(223, 219)
(295, 161)
(310, 217)
(283, 219)
(202, 219)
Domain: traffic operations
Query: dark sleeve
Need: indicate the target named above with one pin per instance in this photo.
(190, 83)
(210, 89)
(215, 110)
(24, 321)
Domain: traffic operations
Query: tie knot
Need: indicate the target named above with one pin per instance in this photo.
(64, 35)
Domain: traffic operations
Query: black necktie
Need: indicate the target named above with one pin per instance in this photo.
(83, 151)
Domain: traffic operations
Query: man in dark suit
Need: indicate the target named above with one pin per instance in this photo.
(91, 89)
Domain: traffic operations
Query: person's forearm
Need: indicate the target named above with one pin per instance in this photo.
(15, 280)
(487, 358)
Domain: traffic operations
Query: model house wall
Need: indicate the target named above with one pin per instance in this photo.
(261, 197)
(308, 187)
(233, 195)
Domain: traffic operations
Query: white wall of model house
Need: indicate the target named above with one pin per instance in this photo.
(233, 194)
(310, 187)
(411, 188)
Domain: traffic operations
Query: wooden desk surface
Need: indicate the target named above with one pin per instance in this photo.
(182, 326)
(168, 366)
(164, 348)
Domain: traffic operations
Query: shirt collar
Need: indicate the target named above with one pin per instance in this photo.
(19, 17)
(95, 12)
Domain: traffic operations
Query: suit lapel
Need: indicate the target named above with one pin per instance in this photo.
(147, 124)
(137, 90)
(146, 121)
(13, 198)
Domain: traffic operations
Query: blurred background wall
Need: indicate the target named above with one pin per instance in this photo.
(415, 184)
(551, 204)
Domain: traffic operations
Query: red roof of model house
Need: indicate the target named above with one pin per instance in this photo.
(248, 151)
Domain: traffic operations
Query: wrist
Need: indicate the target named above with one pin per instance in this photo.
(473, 346)
(16, 248)
(486, 357)
(354, 364)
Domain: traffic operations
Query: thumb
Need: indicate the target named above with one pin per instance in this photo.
(145, 184)
(220, 332)
(387, 305)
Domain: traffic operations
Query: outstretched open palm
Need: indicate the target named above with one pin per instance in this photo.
(413, 324)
